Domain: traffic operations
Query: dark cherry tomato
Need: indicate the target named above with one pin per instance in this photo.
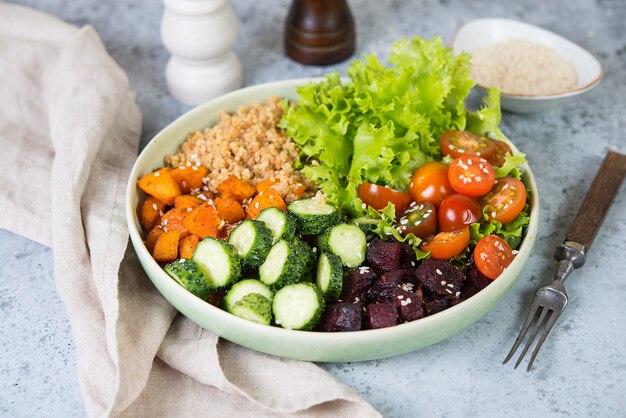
(446, 245)
(505, 200)
(458, 211)
(420, 219)
(500, 150)
(459, 143)
(471, 175)
(492, 255)
(378, 196)
(430, 183)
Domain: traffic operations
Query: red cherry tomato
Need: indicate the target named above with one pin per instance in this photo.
(430, 183)
(500, 150)
(471, 175)
(420, 219)
(505, 200)
(458, 211)
(492, 255)
(379, 196)
(459, 143)
(446, 245)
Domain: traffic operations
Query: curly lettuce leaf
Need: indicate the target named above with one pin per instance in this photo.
(384, 123)
(511, 166)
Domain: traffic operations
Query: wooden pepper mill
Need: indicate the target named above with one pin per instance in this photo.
(319, 32)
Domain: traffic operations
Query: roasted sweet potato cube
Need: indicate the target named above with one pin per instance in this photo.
(187, 246)
(150, 213)
(240, 190)
(174, 219)
(161, 185)
(263, 200)
(186, 201)
(265, 184)
(204, 221)
(298, 189)
(356, 284)
(381, 315)
(152, 237)
(189, 176)
(384, 256)
(229, 209)
(342, 317)
(166, 247)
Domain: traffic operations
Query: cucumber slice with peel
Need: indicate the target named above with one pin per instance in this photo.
(347, 241)
(313, 216)
(329, 276)
(298, 306)
(254, 307)
(243, 288)
(219, 262)
(282, 224)
(284, 264)
(252, 240)
(189, 276)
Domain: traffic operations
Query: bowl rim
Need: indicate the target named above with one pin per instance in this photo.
(372, 336)
(532, 97)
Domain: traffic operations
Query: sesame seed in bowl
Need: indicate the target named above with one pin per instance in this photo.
(535, 69)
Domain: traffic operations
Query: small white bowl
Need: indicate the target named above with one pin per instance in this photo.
(481, 33)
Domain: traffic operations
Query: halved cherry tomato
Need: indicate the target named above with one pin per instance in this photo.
(458, 211)
(430, 183)
(459, 143)
(446, 245)
(492, 255)
(378, 196)
(420, 219)
(471, 175)
(500, 150)
(505, 200)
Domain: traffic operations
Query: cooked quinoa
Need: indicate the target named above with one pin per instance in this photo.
(249, 145)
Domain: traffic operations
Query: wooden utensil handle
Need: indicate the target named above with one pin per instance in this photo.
(598, 199)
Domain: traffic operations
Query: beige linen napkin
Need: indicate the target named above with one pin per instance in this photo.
(69, 131)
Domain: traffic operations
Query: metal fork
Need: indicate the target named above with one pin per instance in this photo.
(550, 300)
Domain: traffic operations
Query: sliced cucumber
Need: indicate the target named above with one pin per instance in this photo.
(189, 276)
(252, 240)
(298, 306)
(312, 216)
(347, 241)
(254, 307)
(282, 224)
(308, 255)
(219, 262)
(284, 264)
(329, 277)
(243, 288)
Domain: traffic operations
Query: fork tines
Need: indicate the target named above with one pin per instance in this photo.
(541, 317)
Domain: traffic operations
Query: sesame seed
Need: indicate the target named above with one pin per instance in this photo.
(157, 174)
(189, 210)
(400, 296)
(165, 222)
(449, 291)
(457, 294)
(450, 285)
(493, 214)
(154, 206)
(194, 168)
(364, 206)
(256, 205)
(514, 252)
(404, 221)
(439, 272)
(478, 178)
(469, 162)
(160, 213)
(443, 282)
(413, 263)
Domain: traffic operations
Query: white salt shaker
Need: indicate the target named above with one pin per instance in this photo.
(200, 35)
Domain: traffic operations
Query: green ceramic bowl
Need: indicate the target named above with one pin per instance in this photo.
(304, 345)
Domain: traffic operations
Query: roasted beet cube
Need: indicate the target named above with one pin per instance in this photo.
(356, 283)
(409, 305)
(440, 278)
(342, 317)
(381, 315)
(476, 279)
(384, 256)
(435, 306)
(407, 256)
(384, 288)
